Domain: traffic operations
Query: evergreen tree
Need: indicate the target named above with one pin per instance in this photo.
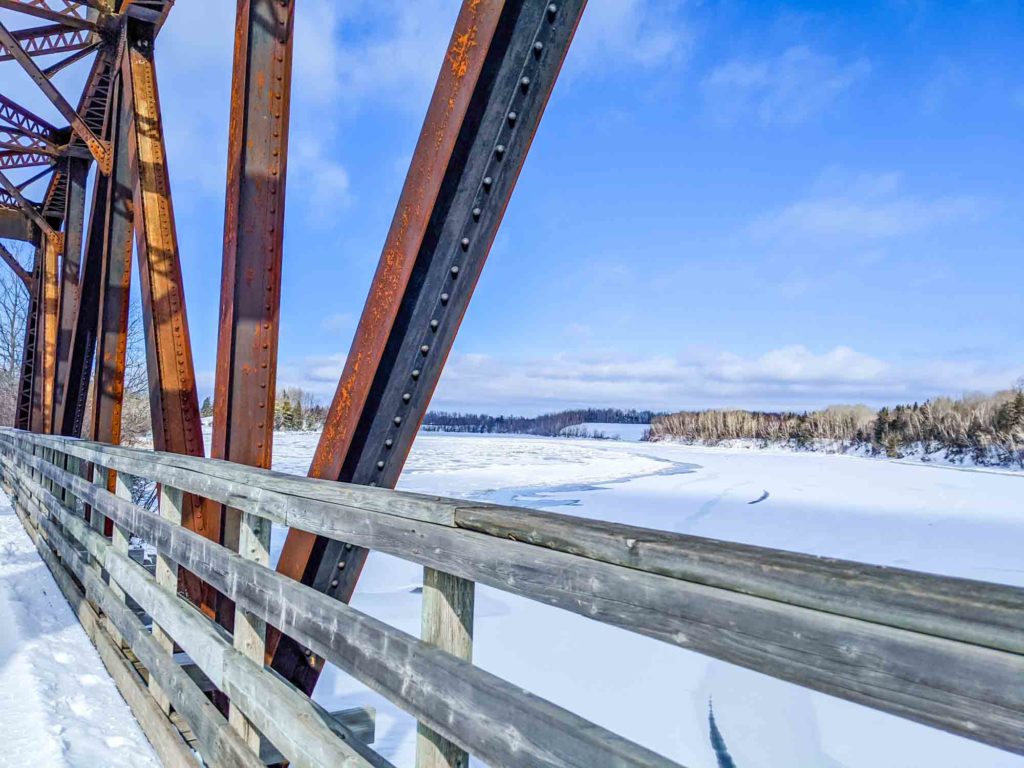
(207, 408)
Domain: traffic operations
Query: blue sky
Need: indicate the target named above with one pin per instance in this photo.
(727, 204)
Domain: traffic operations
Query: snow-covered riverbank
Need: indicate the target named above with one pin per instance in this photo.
(58, 706)
(955, 521)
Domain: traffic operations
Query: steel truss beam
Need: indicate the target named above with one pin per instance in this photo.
(97, 147)
(501, 65)
(29, 378)
(52, 38)
(68, 15)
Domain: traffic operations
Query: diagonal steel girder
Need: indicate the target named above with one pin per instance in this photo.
(500, 68)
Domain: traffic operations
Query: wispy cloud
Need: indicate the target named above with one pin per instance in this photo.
(863, 209)
(646, 33)
(789, 88)
(787, 377)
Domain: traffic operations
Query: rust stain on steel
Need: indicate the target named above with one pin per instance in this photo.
(474, 30)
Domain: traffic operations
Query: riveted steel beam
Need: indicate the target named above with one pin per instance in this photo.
(74, 224)
(45, 338)
(172, 383)
(23, 418)
(253, 233)
(101, 315)
(246, 378)
(114, 240)
(501, 66)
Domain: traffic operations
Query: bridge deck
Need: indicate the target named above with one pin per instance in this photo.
(58, 706)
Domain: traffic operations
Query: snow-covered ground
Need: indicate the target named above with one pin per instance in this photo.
(954, 521)
(58, 706)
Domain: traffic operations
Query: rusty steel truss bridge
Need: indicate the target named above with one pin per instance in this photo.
(941, 651)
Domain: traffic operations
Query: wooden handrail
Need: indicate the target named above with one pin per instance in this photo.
(946, 652)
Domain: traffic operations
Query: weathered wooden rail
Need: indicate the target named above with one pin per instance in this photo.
(941, 651)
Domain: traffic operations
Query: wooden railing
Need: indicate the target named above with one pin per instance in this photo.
(941, 651)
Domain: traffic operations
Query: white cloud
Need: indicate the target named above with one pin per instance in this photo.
(790, 88)
(786, 377)
(615, 33)
(863, 209)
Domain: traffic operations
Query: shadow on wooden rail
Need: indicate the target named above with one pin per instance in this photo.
(941, 651)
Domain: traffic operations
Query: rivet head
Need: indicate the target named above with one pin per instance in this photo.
(524, 83)
(398, 420)
(455, 271)
(538, 47)
(444, 298)
(552, 10)
(334, 582)
(465, 243)
(512, 117)
(341, 565)
(500, 150)
(405, 399)
(488, 181)
(416, 373)
(380, 465)
(476, 214)
(424, 349)
(433, 325)
(388, 443)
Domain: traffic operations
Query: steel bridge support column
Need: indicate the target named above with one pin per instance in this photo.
(243, 421)
(74, 223)
(501, 65)
(23, 417)
(173, 399)
(111, 313)
(45, 338)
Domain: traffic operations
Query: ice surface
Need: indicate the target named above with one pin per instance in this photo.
(959, 522)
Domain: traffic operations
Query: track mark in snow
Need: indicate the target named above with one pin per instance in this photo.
(764, 495)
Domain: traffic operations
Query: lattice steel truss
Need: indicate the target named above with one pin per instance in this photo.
(495, 80)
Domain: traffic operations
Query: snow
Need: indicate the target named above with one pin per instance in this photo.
(58, 706)
(960, 522)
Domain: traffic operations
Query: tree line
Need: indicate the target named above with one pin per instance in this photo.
(988, 429)
(548, 424)
(295, 410)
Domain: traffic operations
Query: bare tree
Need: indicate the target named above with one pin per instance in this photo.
(14, 303)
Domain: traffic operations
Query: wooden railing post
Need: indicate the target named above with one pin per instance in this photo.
(447, 622)
(166, 577)
(248, 535)
(120, 540)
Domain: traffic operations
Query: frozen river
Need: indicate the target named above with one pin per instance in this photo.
(959, 522)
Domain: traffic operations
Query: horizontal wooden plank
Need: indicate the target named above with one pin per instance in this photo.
(490, 718)
(272, 493)
(958, 609)
(976, 612)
